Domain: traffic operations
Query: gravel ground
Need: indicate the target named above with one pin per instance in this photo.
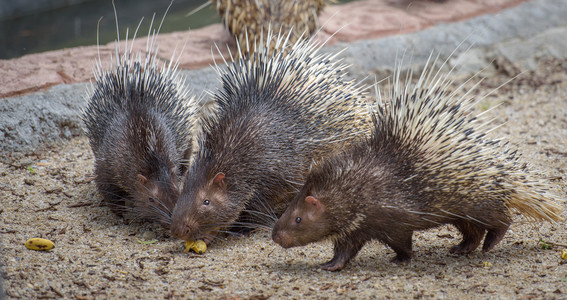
(51, 194)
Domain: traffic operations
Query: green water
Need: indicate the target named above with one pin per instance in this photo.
(77, 25)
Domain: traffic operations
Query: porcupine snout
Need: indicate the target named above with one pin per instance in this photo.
(184, 228)
(282, 237)
(277, 238)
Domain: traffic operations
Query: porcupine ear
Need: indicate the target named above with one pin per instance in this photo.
(219, 178)
(142, 179)
(314, 202)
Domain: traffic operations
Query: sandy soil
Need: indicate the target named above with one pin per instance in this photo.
(51, 194)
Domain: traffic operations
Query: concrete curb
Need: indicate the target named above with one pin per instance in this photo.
(489, 35)
(520, 35)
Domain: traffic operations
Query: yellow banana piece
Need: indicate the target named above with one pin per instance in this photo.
(197, 246)
(39, 244)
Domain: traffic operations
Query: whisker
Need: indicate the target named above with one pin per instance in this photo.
(261, 214)
(213, 237)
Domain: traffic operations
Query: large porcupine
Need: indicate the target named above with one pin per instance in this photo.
(250, 21)
(428, 162)
(276, 113)
(139, 122)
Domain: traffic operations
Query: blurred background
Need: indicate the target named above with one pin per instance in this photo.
(31, 26)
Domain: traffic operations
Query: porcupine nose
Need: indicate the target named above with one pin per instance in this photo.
(276, 237)
(183, 229)
(279, 237)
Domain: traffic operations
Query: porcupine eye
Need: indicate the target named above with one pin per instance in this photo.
(206, 202)
(298, 220)
(151, 199)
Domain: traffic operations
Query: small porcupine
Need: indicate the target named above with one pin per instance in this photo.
(276, 113)
(139, 120)
(428, 162)
(250, 21)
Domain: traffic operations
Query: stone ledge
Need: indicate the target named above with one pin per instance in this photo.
(367, 19)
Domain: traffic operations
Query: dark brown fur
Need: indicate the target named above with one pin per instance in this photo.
(248, 153)
(274, 117)
(428, 162)
(365, 194)
(139, 131)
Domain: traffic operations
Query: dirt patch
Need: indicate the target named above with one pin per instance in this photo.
(51, 194)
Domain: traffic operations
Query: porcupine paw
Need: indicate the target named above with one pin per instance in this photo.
(333, 265)
(463, 248)
(403, 260)
(472, 236)
(469, 244)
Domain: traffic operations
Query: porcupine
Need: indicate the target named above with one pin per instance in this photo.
(250, 21)
(276, 113)
(139, 121)
(428, 162)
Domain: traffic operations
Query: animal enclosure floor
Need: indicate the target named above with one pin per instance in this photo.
(51, 194)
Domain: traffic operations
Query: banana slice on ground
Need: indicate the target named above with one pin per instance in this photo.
(197, 246)
(39, 244)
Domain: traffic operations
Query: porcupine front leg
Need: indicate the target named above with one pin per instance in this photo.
(114, 197)
(345, 250)
(401, 243)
